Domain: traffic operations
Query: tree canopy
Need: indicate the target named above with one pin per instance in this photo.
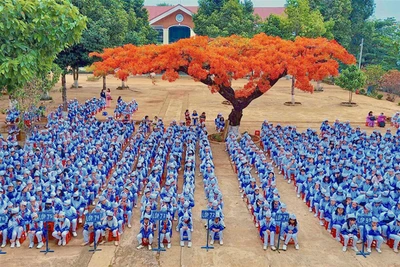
(305, 22)
(337, 11)
(110, 23)
(390, 82)
(263, 60)
(224, 18)
(32, 32)
(351, 79)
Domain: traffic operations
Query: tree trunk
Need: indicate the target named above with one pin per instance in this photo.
(64, 92)
(350, 96)
(293, 82)
(319, 85)
(235, 118)
(104, 82)
(75, 73)
(123, 84)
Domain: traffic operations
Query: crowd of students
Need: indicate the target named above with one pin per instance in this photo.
(263, 200)
(34, 114)
(125, 109)
(178, 144)
(63, 169)
(343, 174)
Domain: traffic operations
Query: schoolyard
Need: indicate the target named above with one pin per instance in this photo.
(242, 246)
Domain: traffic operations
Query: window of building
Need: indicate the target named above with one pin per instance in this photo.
(160, 36)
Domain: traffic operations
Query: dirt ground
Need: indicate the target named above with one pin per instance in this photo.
(242, 245)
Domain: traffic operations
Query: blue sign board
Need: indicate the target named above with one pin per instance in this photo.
(93, 217)
(3, 218)
(159, 215)
(282, 217)
(364, 220)
(208, 214)
(46, 216)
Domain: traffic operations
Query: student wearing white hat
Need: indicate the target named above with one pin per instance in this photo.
(71, 214)
(185, 226)
(350, 230)
(146, 232)
(268, 231)
(61, 228)
(35, 229)
(110, 223)
(15, 226)
(217, 226)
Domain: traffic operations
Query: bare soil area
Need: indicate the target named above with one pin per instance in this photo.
(242, 246)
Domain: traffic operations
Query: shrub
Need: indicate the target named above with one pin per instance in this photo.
(362, 92)
(92, 78)
(380, 96)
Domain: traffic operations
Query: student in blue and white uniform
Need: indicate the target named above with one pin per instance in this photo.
(217, 227)
(267, 230)
(374, 232)
(350, 230)
(61, 228)
(146, 232)
(394, 233)
(35, 229)
(290, 231)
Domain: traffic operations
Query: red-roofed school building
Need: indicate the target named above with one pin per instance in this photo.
(175, 22)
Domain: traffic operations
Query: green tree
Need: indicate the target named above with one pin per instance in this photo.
(351, 79)
(164, 4)
(225, 18)
(107, 27)
(277, 26)
(32, 32)
(207, 7)
(338, 11)
(382, 44)
(373, 74)
(139, 30)
(361, 11)
(300, 20)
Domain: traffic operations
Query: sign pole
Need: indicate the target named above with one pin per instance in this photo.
(363, 221)
(208, 215)
(159, 216)
(94, 241)
(280, 217)
(279, 235)
(159, 236)
(47, 217)
(93, 218)
(208, 232)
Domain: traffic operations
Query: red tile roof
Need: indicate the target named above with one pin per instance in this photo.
(263, 12)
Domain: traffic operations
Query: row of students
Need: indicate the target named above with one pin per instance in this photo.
(211, 189)
(264, 204)
(174, 142)
(194, 119)
(341, 172)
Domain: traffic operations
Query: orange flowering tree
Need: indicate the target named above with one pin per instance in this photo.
(262, 60)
